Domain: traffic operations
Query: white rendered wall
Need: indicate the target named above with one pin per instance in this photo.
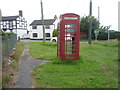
(21, 33)
(39, 31)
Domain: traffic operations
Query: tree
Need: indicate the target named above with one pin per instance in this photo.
(84, 26)
(104, 28)
(113, 35)
(104, 36)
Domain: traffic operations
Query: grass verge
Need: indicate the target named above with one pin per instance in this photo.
(10, 66)
(42, 50)
(97, 67)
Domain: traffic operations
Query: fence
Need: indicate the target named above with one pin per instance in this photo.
(8, 42)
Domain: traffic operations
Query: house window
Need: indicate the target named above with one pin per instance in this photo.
(47, 27)
(10, 25)
(34, 27)
(47, 35)
(34, 34)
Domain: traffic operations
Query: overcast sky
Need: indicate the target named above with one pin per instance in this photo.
(32, 11)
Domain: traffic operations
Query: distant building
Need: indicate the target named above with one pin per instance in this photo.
(16, 24)
(36, 29)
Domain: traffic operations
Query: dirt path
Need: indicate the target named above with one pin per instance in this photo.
(26, 65)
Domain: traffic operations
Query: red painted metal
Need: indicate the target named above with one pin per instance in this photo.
(68, 37)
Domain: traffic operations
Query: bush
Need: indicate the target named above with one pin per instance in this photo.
(113, 35)
(55, 33)
(6, 33)
(104, 36)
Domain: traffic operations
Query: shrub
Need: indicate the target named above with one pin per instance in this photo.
(113, 35)
(104, 36)
(55, 33)
(6, 33)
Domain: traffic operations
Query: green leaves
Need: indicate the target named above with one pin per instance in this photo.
(84, 26)
(55, 33)
(5, 33)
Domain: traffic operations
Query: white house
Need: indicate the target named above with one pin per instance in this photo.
(16, 24)
(36, 29)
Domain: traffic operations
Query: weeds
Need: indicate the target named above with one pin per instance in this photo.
(10, 69)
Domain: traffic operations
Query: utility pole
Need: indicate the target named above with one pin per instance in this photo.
(98, 16)
(108, 34)
(97, 31)
(90, 23)
(43, 22)
(98, 13)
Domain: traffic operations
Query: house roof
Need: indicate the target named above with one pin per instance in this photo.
(46, 22)
(9, 18)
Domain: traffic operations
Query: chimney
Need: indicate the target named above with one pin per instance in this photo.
(55, 17)
(20, 13)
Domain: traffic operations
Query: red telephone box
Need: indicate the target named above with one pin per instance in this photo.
(68, 37)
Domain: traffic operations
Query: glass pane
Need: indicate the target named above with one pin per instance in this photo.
(71, 18)
(69, 25)
(47, 34)
(70, 41)
(70, 28)
(34, 34)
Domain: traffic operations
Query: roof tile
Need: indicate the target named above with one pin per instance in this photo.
(46, 22)
(9, 18)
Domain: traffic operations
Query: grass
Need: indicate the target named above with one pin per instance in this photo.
(43, 50)
(97, 67)
(10, 70)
